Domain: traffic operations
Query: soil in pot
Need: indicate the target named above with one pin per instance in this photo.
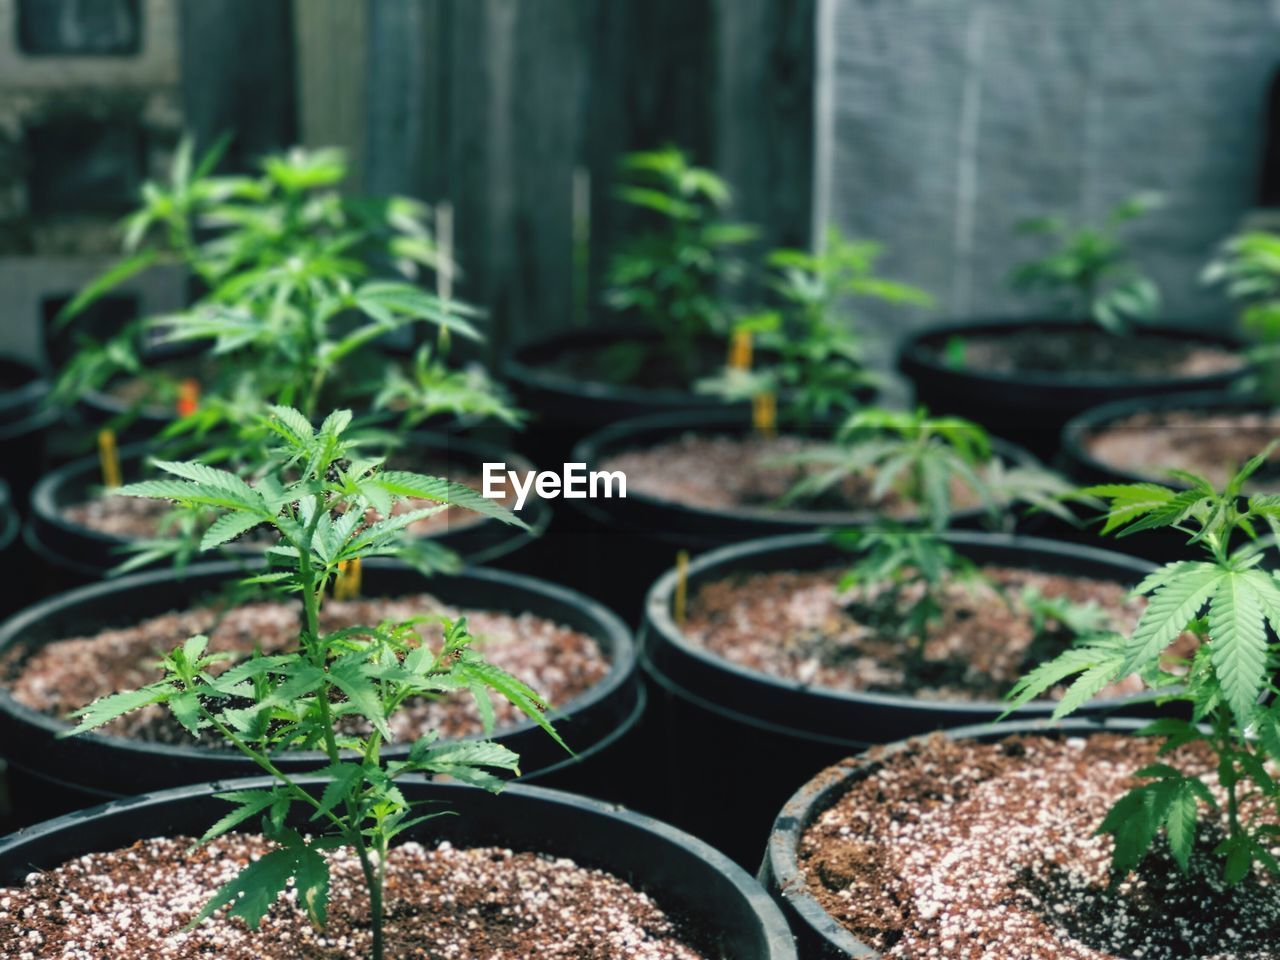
(801, 626)
(1087, 352)
(1212, 443)
(442, 901)
(64, 675)
(723, 472)
(970, 849)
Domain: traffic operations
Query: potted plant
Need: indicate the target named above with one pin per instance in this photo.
(1024, 380)
(24, 418)
(1203, 432)
(665, 287)
(299, 291)
(327, 841)
(1100, 840)
(809, 647)
(700, 481)
(321, 506)
(293, 313)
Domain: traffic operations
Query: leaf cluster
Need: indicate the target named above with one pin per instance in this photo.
(338, 690)
(809, 353)
(1232, 604)
(670, 272)
(299, 280)
(1088, 274)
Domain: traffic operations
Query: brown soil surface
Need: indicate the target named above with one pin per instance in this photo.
(441, 902)
(966, 850)
(1213, 444)
(727, 472)
(802, 627)
(1092, 353)
(64, 675)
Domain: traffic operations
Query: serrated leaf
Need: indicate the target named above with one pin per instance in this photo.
(106, 709)
(402, 484)
(1180, 824)
(344, 777)
(1238, 643)
(1171, 607)
(249, 803)
(252, 892)
(227, 527)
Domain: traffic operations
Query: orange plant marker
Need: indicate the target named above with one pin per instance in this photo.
(347, 585)
(764, 414)
(740, 350)
(109, 459)
(681, 599)
(188, 396)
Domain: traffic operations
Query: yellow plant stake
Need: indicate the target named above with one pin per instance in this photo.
(764, 414)
(682, 585)
(109, 459)
(740, 350)
(347, 585)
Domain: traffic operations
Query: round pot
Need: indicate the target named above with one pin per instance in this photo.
(655, 529)
(565, 407)
(69, 773)
(14, 571)
(74, 554)
(685, 877)
(1083, 466)
(728, 717)
(1031, 408)
(24, 420)
(818, 935)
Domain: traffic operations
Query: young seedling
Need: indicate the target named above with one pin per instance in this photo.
(1248, 269)
(337, 691)
(1229, 599)
(1089, 276)
(809, 352)
(300, 282)
(669, 275)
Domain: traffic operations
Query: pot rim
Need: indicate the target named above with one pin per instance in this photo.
(622, 662)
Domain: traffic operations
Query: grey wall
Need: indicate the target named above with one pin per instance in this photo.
(949, 121)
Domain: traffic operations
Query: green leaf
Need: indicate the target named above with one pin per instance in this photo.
(249, 803)
(1180, 824)
(104, 283)
(227, 527)
(402, 484)
(105, 710)
(520, 695)
(253, 891)
(1171, 608)
(1238, 643)
(345, 777)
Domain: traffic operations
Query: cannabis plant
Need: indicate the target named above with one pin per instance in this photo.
(920, 460)
(1229, 599)
(1247, 267)
(1089, 274)
(809, 354)
(335, 692)
(299, 281)
(670, 273)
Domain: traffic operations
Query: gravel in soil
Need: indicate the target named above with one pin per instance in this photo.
(441, 902)
(727, 472)
(1092, 353)
(1213, 444)
(967, 850)
(67, 674)
(801, 626)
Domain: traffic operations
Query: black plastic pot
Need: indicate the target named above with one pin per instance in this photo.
(724, 721)
(565, 408)
(1031, 408)
(652, 529)
(685, 877)
(1081, 465)
(62, 774)
(14, 572)
(74, 555)
(818, 935)
(24, 419)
